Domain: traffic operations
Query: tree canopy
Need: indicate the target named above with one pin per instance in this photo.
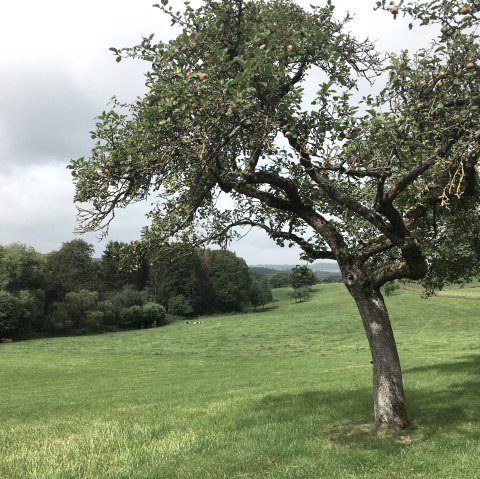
(302, 276)
(21, 267)
(71, 268)
(396, 172)
(386, 186)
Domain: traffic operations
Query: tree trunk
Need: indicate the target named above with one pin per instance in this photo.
(389, 398)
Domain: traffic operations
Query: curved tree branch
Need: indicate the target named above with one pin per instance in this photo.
(410, 176)
(337, 195)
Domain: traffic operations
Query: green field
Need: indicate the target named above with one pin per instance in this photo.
(282, 393)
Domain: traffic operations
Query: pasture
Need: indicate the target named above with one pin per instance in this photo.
(281, 393)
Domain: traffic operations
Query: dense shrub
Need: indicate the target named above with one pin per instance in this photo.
(58, 319)
(31, 308)
(79, 305)
(279, 280)
(131, 316)
(153, 313)
(180, 306)
(93, 320)
(143, 316)
(299, 294)
(9, 306)
(260, 292)
(127, 297)
(110, 315)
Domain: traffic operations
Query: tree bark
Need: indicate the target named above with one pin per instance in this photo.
(389, 398)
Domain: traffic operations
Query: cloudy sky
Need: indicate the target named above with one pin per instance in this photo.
(57, 74)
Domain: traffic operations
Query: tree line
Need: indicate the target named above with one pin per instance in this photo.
(68, 291)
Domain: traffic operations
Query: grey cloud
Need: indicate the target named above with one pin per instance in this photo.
(37, 209)
(257, 248)
(43, 115)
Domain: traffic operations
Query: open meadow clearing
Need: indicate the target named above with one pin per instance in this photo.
(281, 393)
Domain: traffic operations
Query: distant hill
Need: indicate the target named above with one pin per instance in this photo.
(272, 268)
(322, 270)
(262, 271)
(330, 267)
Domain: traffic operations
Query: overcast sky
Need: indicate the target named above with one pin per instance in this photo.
(57, 74)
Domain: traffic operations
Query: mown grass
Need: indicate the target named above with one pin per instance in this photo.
(281, 393)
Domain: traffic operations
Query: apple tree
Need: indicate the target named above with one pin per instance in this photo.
(386, 186)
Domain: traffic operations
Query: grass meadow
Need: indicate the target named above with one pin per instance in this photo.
(280, 393)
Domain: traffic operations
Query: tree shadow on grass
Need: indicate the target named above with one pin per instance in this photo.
(346, 417)
(469, 364)
(452, 404)
(261, 309)
(328, 413)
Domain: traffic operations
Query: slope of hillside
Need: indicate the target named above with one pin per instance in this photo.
(282, 393)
